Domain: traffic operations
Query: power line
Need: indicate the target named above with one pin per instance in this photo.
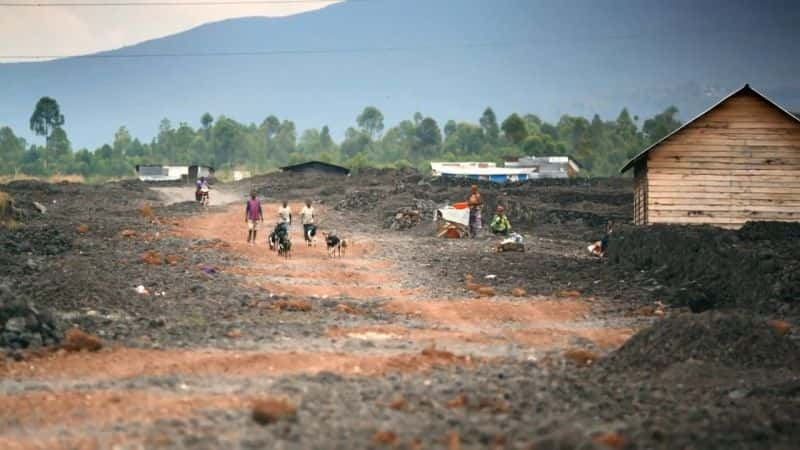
(328, 51)
(333, 51)
(163, 3)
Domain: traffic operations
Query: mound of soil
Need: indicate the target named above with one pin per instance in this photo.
(756, 267)
(732, 340)
(39, 239)
(360, 200)
(23, 325)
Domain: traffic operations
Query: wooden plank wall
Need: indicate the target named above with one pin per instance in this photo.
(739, 162)
(640, 194)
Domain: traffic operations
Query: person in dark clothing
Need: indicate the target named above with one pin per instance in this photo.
(600, 247)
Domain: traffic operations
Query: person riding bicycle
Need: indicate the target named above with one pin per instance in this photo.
(197, 185)
(204, 198)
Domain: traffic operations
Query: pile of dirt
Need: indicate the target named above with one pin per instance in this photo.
(23, 325)
(409, 217)
(732, 340)
(38, 239)
(756, 267)
(360, 200)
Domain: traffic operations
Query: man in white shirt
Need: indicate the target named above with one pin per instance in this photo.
(307, 219)
(285, 214)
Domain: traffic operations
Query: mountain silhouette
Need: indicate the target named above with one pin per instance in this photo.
(447, 59)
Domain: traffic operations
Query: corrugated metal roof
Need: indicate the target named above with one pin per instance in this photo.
(746, 88)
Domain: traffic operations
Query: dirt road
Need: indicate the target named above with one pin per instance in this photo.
(370, 315)
(388, 346)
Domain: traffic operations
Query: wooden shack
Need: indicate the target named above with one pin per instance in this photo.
(736, 162)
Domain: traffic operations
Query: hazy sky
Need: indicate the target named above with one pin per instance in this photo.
(73, 30)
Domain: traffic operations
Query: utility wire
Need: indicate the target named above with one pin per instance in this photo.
(329, 51)
(163, 3)
(111, 54)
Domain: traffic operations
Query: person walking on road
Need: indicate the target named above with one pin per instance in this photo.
(307, 219)
(252, 216)
(285, 214)
(475, 204)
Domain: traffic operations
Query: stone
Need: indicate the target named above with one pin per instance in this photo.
(15, 325)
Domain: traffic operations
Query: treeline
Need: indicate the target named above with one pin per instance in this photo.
(601, 146)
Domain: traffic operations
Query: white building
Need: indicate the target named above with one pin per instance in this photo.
(548, 166)
(158, 172)
(481, 171)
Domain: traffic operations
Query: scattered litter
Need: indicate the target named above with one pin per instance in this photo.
(373, 336)
(513, 243)
(40, 207)
(780, 327)
(212, 271)
(127, 233)
(142, 290)
(490, 277)
(82, 228)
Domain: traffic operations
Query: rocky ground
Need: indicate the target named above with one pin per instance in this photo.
(206, 342)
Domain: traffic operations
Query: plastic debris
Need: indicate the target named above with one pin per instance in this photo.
(42, 209)
(142, 290)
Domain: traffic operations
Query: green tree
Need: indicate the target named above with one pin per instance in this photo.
(58, 146)
(515, 129)
(46, 116)
(325, 141)
(12, 149)
(429, 137)
(226, 137)
(371, 121)
(661, 124)
(122, 141)
(206, 120)
(488, 123)
(449, 128)
(355, 143)
(310, 144)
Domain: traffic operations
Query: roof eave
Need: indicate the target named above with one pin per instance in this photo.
(746, 87)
